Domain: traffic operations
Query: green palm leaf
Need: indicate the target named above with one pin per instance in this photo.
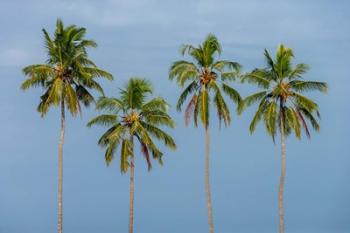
(204, 108)
(301, 86)
(133, 115)
(191, 88)
(160, 135)
(68, 72)
(283, 84)
(104, 120)
(200, 73)
(232, 93)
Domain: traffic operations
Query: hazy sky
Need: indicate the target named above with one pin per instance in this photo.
(138, 37)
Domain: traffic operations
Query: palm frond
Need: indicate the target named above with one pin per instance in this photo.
(299, 85)
(258, 115)
(304, 102)
(158, 118)
(269, 60)
(133, 96)
(197, 109)
(72, 101)
(232, 93)
(190, 109)
(92, 84)
(44, 105)
(251, 99)
(293, 122)
(146, 139)
(298, 71)
(270, 116)
(189, 89)
(160, 135)
(83, 95)
(211, 46)
(33, 82)
(109, 154)
(104, 120)
(126, 152)
(303, 122)
(96, 72)
(145, 152)
(183, 71)
(308, 115)
(204, 107)
(223, 65)
(186, 48)
(116, 132)
(109, 104)
(259, 77)
(55, 92)
(222, 108)
(157, 103)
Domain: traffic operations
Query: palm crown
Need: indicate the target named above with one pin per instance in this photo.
(204, 75)
(282, 104)
(133, 116)
(68, 72)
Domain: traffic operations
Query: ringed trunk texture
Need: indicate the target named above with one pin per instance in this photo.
(282, 178)
(60, 172)
(131, 193)
(207, 182)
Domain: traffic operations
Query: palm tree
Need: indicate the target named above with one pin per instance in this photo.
(206, 75)
(282, 105)
(131, 117)
(66, 78)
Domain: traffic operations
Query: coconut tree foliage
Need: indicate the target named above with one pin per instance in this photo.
(207, 81)
(133, 118)
(283, 107)
(66, 78)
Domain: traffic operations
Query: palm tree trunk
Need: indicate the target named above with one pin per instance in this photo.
(131, 193)
(282, 178)
(60, 172)
(207, 182)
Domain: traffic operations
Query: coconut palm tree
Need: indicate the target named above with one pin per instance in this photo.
(133, 117)
(66, 78)
(205, 76)
(282, 105)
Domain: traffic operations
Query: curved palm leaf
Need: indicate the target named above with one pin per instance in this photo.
(68, 72)
(201, 73)
(139, 118)
(283, 84)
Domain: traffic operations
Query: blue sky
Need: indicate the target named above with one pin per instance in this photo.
(142, 38)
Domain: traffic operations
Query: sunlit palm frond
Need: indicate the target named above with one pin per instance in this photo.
(109, 104)
(130, 116)
(189, 89)
(156, 104)
(68, 74)
(281, 102)
(301, 86)
(259, 77)
(104, 120)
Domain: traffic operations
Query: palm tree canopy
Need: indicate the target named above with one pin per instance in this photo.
(281, 102)
(68, 73)
(131, 116)
(204, 75)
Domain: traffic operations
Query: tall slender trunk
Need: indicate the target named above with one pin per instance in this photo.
(131, 193)
(282, 178)
(60, 172)
(207, 181)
